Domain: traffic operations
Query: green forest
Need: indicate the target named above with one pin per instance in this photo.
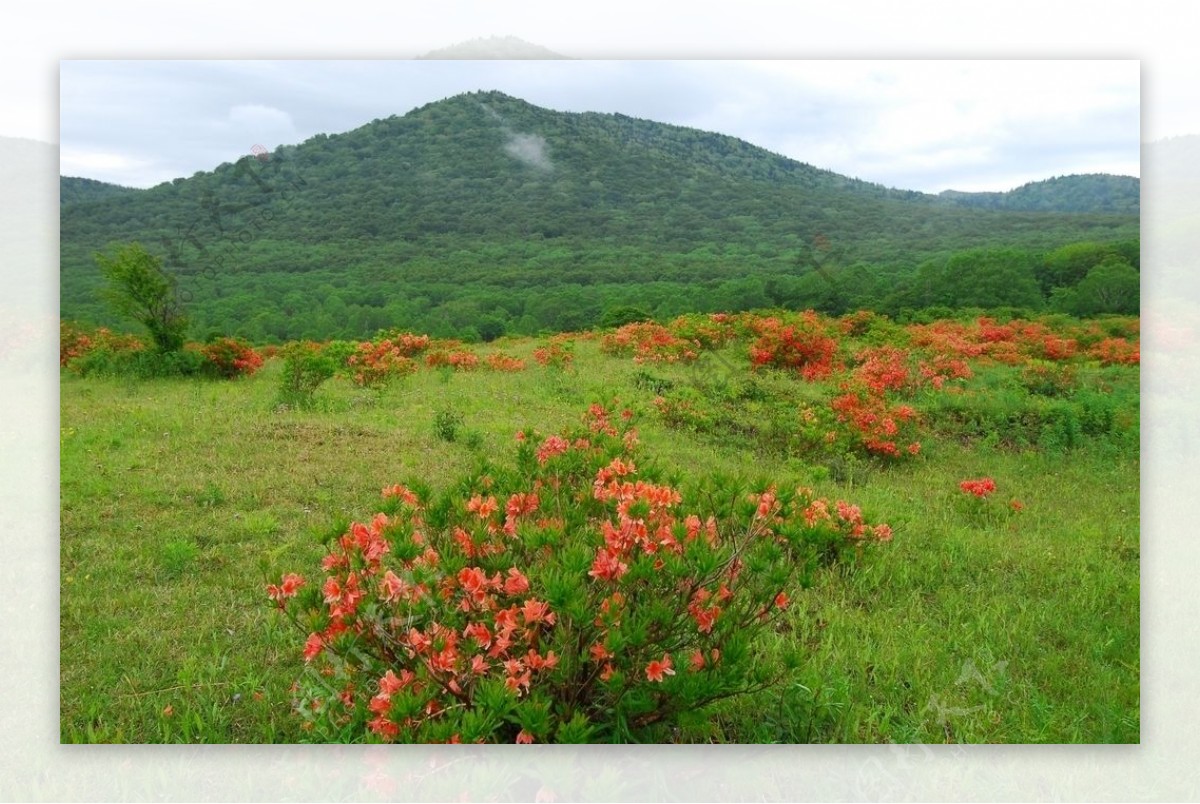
(482, 215)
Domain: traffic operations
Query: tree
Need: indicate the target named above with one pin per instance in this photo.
(139, 288)
(1067, 265)
(615, 317)
(1110, 287)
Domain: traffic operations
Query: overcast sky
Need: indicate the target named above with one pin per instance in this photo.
(923, 125)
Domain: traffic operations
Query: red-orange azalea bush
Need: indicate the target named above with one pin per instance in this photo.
(77, 343)
(230, 357)
(575, 596)
(558, 353)
(650, 342)
(374, 365)
(803, 345)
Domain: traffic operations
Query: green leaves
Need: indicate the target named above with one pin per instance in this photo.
(139, 289)
(487, 629)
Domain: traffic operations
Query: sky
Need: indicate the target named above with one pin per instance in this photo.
(919, 125)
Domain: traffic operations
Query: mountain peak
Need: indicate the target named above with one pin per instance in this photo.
(493, 47)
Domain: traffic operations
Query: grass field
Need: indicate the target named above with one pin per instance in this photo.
(182, 498)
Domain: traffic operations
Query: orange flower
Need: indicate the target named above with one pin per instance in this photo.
(524, 737)
(516, 583)
(607, 565)
(393, 586)
(981, 488)
(536, 611)
(312, 647)
(659, 668)
(287, 588)
(480, 633)
(384, 728)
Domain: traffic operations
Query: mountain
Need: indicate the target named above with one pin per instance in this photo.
(483, 208)
(72, 189)
(493, 47)
(1095, 192)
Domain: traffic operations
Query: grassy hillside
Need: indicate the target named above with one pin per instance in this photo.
(182, 499)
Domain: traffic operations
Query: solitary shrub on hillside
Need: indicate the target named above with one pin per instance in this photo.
(305, 368)
(230, 357)
(572, 597)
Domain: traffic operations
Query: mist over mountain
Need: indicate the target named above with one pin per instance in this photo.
(485, 208)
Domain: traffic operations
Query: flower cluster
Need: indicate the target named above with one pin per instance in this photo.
(231, 357)
(457, 359)
(498, 361)
(1009, 343)
(574, 597)
(1116, 351)
(877, 426)
(374, 365)
(803, 346)
(650, 342)
(76, 342)
(408, 344)
(710, 331)
(981, 488)
(557, 353)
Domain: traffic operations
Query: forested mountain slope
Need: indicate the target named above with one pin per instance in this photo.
(482, 211)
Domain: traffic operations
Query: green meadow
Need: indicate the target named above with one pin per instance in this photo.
(182, 498)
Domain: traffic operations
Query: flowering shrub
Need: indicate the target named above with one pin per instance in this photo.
(857, 323)
(573, 597)
(231, 357)
(73, 342)
(407, 344)
(940, 369)
(102, 345)
(1116, 351)
(499, 361)
(883, 368)
(457, 359)
(374, 365)
(876, 426)
(557, 353)
(1009, 343)
(710, 331)
(649, 342)
(981, 488)
(803, 346)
